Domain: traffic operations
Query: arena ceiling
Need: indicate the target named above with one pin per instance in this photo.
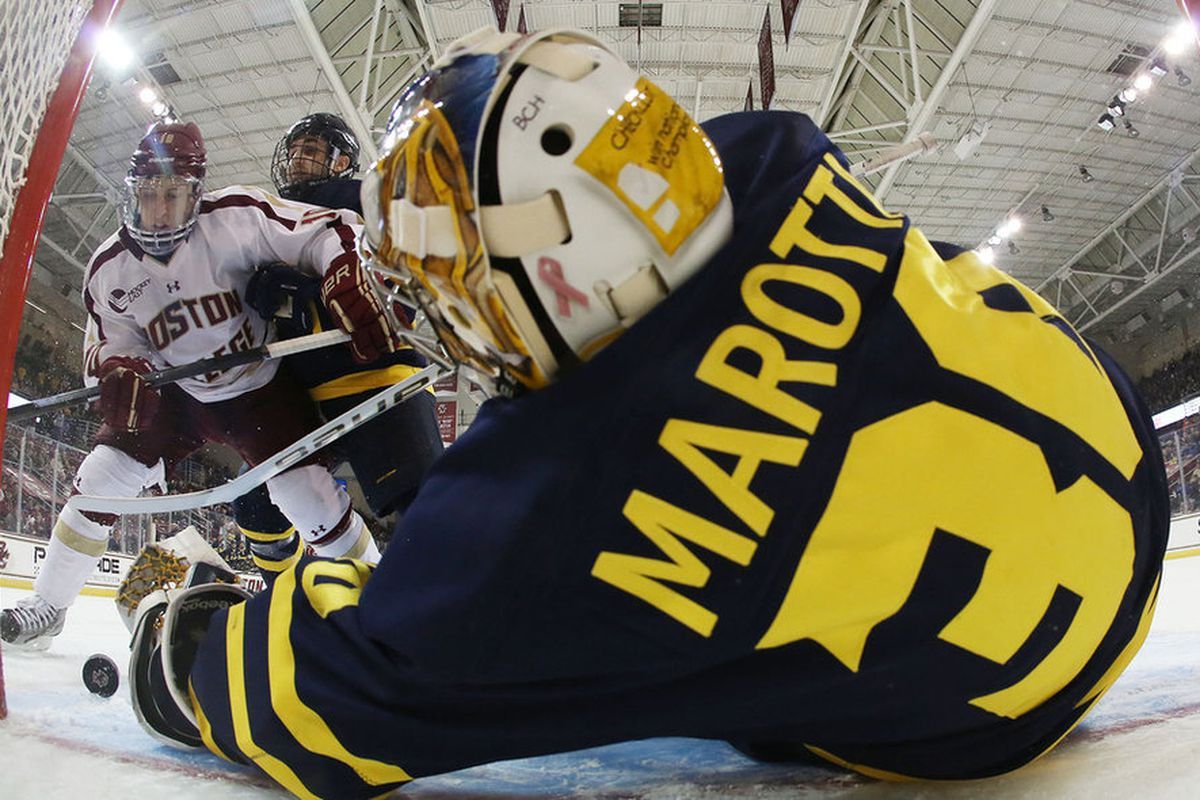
(1012, 90)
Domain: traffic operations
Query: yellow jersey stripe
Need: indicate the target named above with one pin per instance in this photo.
(205, 727)
(276, 566)
(264, 536)
(303, 722)
(357, 382)
(235, 629)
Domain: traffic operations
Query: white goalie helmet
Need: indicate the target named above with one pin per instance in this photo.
(535, 197)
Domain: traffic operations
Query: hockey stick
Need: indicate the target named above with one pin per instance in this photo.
(291, 455)
(925, 143)
(171, 374)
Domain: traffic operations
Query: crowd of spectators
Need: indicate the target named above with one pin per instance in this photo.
(1172, 383)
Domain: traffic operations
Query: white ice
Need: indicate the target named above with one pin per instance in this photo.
(1141, 740)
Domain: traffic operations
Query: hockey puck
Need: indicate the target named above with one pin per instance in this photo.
(100, 675)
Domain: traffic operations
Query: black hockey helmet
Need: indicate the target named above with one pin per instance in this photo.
(296, 167)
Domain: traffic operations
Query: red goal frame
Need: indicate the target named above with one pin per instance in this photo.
(29, 211)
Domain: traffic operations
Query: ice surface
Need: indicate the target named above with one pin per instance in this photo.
(61, 742)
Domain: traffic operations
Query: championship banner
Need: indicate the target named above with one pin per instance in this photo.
(789, 8)
(766, 63)
(446, 385)
(447, 419)
(501, 9)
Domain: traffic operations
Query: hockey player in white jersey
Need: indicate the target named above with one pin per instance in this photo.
(166, 289)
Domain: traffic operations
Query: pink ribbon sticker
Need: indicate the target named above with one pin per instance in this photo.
(551, 272)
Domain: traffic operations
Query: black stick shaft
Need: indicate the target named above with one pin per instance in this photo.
(162, 377)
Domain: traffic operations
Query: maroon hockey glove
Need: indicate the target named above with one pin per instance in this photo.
(127, 402)
(356, 309)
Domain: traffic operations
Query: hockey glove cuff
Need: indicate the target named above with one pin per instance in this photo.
(127, 402)
(356, 310)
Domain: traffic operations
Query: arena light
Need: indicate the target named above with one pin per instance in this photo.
(987, 255)
(1158, 67)
(159, 108)
(1128, 95)
(1183, 77)
(1180, 37)
(1010, 226)
(148, 95)
(1013, 249)
(1116, 107)
(115, 51)
(1131, 131)
(1084, 175)
(1143, 82)
(1046, 215)
(1106, 123)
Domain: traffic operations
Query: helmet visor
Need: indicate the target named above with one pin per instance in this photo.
(159, 210)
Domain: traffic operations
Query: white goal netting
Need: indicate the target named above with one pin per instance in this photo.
(35, 40)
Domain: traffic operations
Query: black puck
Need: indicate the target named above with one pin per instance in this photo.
(100, 675)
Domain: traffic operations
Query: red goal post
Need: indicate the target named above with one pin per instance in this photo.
(46, 53)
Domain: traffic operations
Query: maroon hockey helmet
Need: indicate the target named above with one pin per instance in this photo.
(170, 148)
(163, 186)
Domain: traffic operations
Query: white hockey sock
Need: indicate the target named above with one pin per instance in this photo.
(76, 541)
(70, 559)
(320, 510)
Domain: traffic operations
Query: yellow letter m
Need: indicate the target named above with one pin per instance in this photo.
(665, 524)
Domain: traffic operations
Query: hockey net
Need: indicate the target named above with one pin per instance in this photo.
(46, 50)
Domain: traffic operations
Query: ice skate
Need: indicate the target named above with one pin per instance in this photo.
(32, 623)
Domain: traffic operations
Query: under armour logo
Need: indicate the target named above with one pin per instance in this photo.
(172, 287)
(551, 272)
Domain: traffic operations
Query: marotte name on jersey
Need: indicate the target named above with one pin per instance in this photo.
(663, 522)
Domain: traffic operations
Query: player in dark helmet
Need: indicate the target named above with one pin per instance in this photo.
(317, 150)
(314, 163)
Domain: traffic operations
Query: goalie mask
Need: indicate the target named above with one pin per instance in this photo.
(535, 196)
(162, 190)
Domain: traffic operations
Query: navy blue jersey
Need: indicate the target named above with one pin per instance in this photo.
(828, 467)
(334, 193)
(390, 454)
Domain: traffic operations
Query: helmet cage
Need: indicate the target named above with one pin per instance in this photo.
(293, 174)
(181, 196)
(452, 286)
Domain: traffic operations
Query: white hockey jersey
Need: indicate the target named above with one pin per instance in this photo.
(193, 306)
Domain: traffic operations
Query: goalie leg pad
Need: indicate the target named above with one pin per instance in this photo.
(166, 637)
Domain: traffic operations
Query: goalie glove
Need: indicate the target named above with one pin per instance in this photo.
(356, 310)
(127, 402)
(170, 626)
(166, 565)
